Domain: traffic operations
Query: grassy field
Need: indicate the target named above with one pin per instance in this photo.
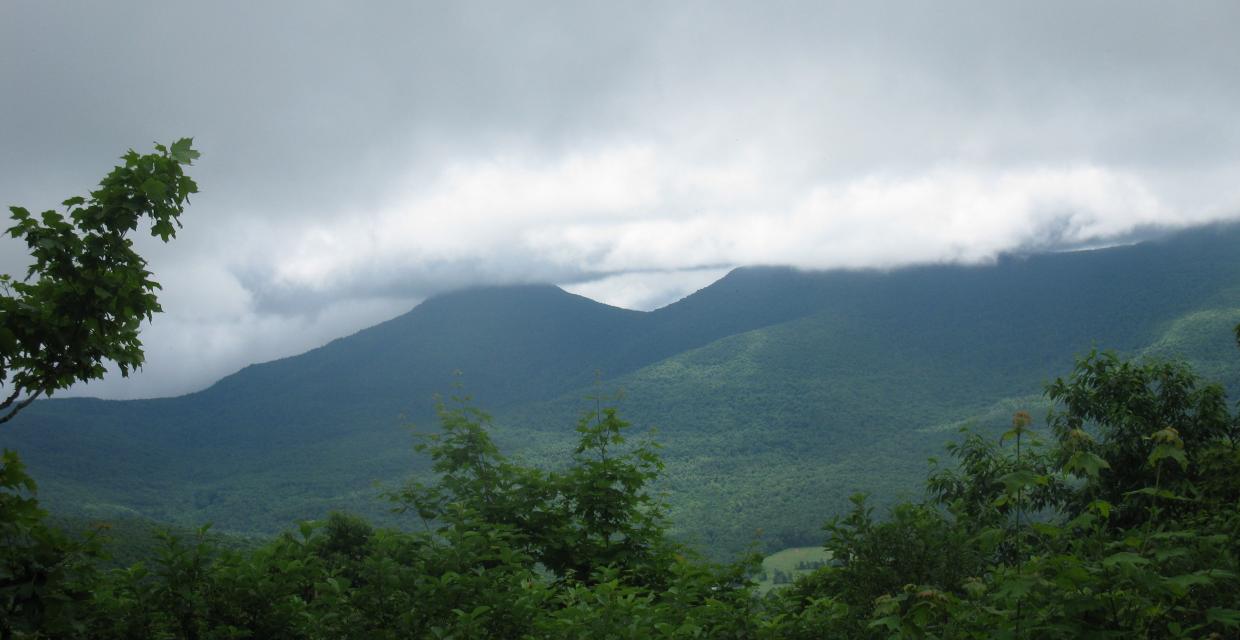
(791, 563)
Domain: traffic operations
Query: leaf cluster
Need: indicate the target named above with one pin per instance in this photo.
(597, 512)
(86, 290)
(1125, 524)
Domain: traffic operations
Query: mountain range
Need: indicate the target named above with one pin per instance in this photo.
(775, 393)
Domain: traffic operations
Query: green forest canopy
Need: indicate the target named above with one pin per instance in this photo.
(1120, 519)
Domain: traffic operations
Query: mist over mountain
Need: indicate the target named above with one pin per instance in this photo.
(776, 392)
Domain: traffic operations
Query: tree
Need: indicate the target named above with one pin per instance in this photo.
(596, 513)
(1130, 528)
(611, 518)
(80, 304)
(87, 291)
(1118, 413)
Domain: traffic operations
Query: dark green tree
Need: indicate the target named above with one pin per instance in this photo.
(87, 291)
(80, 305)
(598, 512)
(1117, 413)
(45, 576)
(611, 517)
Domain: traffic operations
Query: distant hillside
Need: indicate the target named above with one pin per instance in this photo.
(776, 392)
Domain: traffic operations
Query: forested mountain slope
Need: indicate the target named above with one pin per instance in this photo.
(776, 392)
(774, 428)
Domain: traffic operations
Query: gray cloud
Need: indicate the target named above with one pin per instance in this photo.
(360, 158)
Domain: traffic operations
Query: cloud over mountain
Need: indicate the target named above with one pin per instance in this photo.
(357, 160)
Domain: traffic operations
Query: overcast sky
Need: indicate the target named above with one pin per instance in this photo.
(358, 157)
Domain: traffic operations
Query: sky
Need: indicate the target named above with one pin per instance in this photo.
(360, 157)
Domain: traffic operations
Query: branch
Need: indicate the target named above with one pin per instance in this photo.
(19, 406)
(8, 401)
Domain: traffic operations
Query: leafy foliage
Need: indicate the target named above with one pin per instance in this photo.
(1018, 540)
(1122, 422)
(1133, 530)
(84, 308)
(596, 513)
(92, 289)
(45, 576)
